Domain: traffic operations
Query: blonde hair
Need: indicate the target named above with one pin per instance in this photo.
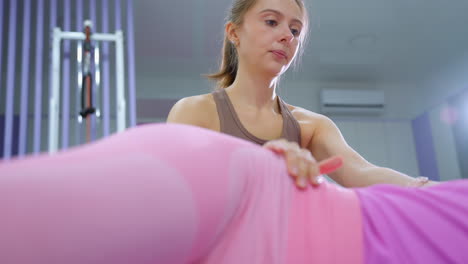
(229, 63)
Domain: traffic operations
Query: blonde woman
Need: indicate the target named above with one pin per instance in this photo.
(262, 39)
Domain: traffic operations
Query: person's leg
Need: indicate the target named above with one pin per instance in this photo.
(153, 194)
(415, 225)
(171, 194)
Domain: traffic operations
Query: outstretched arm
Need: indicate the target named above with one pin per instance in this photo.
(356, 171)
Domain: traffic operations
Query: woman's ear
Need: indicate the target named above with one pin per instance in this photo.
(231, 33)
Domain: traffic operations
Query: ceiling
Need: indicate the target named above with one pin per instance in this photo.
(361, 40)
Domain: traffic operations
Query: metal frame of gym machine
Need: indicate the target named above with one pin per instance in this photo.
(54, 99)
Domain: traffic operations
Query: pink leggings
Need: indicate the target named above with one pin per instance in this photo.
(171, 194)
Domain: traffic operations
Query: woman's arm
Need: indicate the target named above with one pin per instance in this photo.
(356, 171)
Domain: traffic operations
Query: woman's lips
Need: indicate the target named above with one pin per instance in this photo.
(280, 54)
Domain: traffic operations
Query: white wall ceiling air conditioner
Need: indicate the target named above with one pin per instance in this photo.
(334, 101)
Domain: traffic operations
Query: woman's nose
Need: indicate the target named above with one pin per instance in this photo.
(286, 35)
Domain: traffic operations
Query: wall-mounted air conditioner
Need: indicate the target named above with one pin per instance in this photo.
(335, 101)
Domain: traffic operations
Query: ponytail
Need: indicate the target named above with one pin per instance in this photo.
(227, 74)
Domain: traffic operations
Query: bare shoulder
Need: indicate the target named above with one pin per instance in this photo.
(310, 122)
(198, 110)
(302, 114)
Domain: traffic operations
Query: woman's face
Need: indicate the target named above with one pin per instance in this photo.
(269, 36)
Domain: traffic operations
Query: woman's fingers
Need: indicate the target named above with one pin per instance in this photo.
(277, 146)
(314, 174)
(304, 170)
(316, 169)
(301, 164)
(293, 163)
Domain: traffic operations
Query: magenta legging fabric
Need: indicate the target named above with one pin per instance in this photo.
(167, 193)
(417, 225)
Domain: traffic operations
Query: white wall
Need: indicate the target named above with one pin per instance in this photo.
(449, 81)
(400, 97)
(387, 143)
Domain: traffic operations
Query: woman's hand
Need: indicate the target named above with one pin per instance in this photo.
(422, 182)
(301, 164)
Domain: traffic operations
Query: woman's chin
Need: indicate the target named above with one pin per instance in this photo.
(271, 70)
(276, 70)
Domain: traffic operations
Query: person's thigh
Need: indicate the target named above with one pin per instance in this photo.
(154, 194)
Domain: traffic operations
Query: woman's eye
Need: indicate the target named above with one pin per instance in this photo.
(271, 22)
(295, 32)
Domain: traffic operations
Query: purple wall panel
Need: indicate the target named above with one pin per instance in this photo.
(8, 128)
(118, 15)
(96, 28)
(131, 63)
(118, 26)
(78, 28)
(106, 71)
(425, 151)
(65, 88)
(2, 4)
(93, 14)
(14, 142)
(25, 78)
(38, 77)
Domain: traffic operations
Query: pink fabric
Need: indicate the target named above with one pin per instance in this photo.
(171, 194)
(415, 225)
